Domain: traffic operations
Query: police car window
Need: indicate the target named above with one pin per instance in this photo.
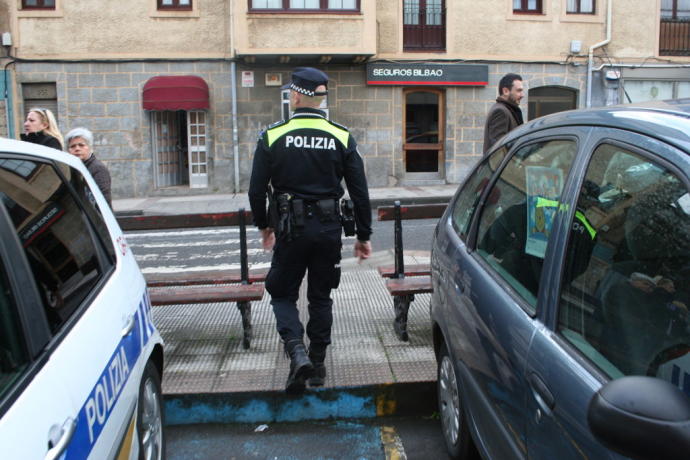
(55, 237)
(468, 197)
(516, 221)
(92, 211)
(626, 285)
(13, 356)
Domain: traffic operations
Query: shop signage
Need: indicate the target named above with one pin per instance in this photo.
(41, 223)
(388, 73)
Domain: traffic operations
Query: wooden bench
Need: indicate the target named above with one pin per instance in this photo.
(404, 282)
(184, 288)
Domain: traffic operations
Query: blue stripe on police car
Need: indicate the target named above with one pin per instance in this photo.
(96, 410)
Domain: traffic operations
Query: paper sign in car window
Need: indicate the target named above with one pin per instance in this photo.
(544, 186)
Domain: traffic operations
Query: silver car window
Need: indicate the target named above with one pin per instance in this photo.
(468, 197)
(626, 284)
(515, 225)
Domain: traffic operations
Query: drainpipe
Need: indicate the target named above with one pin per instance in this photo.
(10, 131)
(233, 83)
(235, 131)
(590, 60)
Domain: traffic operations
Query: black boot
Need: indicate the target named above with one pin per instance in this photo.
(300, 367)
(317, 355)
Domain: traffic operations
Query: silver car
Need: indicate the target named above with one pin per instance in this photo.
(561, 289)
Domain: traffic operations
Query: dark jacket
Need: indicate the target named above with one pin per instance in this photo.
(101, 175)
(308, 156)
(41, 138)
(503, 117)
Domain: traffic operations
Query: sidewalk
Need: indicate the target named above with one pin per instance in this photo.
(193, 204)
(209, 378)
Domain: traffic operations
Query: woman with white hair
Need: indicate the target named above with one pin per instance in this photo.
(41, 128)
(79, 143)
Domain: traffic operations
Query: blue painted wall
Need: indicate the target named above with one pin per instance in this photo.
(5, 75)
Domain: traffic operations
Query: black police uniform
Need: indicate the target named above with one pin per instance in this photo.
(307, 157)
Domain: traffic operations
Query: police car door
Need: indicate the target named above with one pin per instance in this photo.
(37, 417)
(76, 396)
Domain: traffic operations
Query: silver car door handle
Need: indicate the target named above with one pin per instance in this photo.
(129, 326)
(542, 394)
(68, 429)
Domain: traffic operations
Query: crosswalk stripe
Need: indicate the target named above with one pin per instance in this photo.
(192, 244)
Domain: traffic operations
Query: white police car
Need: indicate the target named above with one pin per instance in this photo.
(80, 359)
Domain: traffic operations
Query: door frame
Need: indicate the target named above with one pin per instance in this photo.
(439, 146)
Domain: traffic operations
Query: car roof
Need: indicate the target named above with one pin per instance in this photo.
(36, 150)
(665, 120)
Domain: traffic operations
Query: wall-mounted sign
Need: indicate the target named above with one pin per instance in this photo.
(274, 79)
(247, 79)
(423, 73)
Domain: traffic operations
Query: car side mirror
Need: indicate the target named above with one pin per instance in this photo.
(642, 418)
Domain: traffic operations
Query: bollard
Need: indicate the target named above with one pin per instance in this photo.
(399, 262)
(244, 264)
(244, 307)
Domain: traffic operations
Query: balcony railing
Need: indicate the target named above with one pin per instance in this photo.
(674, 37)
(424, 29)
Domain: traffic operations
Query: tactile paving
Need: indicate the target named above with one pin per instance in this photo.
(204, 354)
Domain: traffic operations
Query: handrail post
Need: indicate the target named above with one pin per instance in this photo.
(244, 264)
(399, 263)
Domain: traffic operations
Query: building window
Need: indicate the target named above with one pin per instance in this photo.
(580, 7)
(40, 95)
(424, 25)
(674, 30)
(305, 5)
(675, 9)
(174, 4)
(527, 6)
(38, 4)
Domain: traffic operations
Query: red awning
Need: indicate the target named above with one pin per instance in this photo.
(185, 92)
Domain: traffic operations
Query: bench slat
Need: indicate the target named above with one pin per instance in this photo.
(190, 295)
(203, 277)
(407, 286)
(387, 271)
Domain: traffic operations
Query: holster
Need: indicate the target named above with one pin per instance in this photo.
(327, 210)
(347, 217)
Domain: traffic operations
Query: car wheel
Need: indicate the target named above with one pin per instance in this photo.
(150, 416)
(453, 422)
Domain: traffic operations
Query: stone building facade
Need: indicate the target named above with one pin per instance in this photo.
(408, 133)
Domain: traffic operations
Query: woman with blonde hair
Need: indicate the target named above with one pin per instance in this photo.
(41, 128)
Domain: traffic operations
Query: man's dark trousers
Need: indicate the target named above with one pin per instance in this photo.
(317, 251)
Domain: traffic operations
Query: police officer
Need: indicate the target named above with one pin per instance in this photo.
(304, 160)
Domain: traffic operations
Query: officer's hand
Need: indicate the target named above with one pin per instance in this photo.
(362, 250)
(268, 238)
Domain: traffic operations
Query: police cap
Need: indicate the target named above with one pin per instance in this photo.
(305, 80)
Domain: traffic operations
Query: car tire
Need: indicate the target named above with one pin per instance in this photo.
(453, 420)
(150, 416)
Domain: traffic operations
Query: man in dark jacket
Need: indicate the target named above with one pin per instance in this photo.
(305, 159)
(505, 115)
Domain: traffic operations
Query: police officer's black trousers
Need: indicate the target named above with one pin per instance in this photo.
(315, 251)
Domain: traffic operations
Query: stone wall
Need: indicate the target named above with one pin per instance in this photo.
(374, 115)
(106, 98)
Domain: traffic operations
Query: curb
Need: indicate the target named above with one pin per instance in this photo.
(375, 203)
(399, 399)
